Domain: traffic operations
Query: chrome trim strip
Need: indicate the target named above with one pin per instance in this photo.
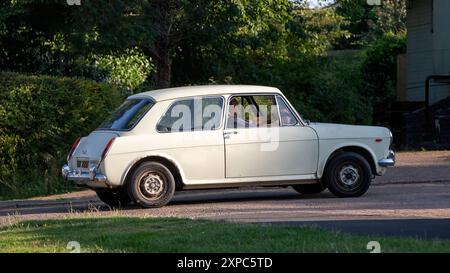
(248, 184)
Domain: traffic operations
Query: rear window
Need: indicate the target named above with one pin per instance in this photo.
(127, 115)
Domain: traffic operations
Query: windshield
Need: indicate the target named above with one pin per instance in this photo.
(127, 115)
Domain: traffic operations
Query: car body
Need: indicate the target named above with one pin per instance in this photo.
(222, 136)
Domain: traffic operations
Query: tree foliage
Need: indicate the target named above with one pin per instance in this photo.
(367, 23)
(158, 43)
(379, 69)
(127, 69)
(213, 38)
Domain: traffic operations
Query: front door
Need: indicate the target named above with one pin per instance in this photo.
(263, 137)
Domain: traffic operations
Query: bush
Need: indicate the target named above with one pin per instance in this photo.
(379, 69)
(127, 69)
(337, 91)
(40, 117)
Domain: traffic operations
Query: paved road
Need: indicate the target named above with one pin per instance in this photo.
(407, 201)
(385, 209)
(432, 166)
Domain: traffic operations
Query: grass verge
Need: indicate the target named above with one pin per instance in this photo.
(123, 234)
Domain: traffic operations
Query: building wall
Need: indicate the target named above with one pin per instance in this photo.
(428, 54)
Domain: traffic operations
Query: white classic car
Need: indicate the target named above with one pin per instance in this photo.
(229, 136)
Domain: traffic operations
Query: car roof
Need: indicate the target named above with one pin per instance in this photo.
(203, 90)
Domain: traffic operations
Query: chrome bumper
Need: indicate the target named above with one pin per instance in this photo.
(92, 178)
(389, 161)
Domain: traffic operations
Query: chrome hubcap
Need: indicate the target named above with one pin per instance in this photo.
(152, 184)
(349, 175)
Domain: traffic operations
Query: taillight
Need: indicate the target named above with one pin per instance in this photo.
(108, 145)
(74, 147)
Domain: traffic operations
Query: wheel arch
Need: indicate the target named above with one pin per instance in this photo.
(363, 151)
(167, 162)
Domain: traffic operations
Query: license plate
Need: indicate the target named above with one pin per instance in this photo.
(83, 164)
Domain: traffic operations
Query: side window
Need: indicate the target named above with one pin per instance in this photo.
(286, 115)
(194, 114)
(252, 111)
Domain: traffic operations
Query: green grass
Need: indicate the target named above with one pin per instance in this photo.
(121, 234)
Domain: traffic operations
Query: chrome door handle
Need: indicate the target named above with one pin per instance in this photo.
(226, 135)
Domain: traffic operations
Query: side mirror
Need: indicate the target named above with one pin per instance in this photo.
(307, 121)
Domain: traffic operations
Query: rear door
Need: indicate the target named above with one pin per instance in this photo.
(192, 130)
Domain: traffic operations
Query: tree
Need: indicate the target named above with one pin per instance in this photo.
(367, 23)
(379, 70)
(321, 28)
(359, 15)
(391, 18)
(165, 15)
(69, 34)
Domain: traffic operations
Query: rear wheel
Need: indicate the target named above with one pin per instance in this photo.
(348, 175)
(114, 198)
(152, 185)
(309, 188)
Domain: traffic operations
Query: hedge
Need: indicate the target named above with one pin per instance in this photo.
(40, 117)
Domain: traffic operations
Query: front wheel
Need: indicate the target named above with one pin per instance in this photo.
(152, 185)
(348, 175)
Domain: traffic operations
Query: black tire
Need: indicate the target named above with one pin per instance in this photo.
(152, 185)
(309, 188)
(114, 198)
(348, 175)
